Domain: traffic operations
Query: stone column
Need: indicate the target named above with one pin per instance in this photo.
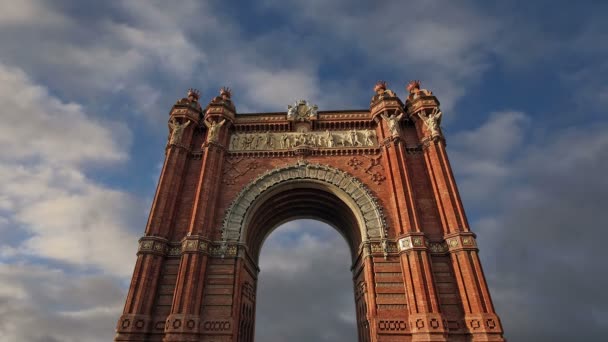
(185, 323)
(480, 317)
(425, 320)
(136, 319)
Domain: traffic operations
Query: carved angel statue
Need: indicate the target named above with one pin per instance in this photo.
(393, 122)
(213, 127)
(177, 130)
(432, 121)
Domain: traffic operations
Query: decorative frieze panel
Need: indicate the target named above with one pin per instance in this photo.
(291, 140)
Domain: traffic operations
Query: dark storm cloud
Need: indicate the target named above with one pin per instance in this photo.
(543, 237)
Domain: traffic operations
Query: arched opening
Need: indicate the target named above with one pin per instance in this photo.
(302, 199)
(304, 290)
(305, 191)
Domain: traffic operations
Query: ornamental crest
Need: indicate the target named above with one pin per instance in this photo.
(301, 111)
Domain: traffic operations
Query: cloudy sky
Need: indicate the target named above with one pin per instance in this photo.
(85, 90)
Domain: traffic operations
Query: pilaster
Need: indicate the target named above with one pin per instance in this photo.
(426, 322)
(137, 320)
(184, 322)
(480, 317)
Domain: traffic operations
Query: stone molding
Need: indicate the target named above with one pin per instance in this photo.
(369, 211)
(461, 241)
(190, 244)
(453, 242)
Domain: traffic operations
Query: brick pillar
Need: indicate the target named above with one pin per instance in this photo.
(480, 317)
(184, 323)
(136, 320)
(425, 319)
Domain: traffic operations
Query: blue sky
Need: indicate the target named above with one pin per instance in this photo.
(85, 90)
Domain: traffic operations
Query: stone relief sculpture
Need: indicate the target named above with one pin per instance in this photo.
(301, 111)
(213, 127)
(288, 140)
(369, 137)
(432, 121)
(393, 123)
(177, 130)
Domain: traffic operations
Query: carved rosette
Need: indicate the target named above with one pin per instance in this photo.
(374, 227)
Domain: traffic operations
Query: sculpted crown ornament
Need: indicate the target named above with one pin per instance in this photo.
(193, 94)
(301, 111)
(415, 91)
(382, 91)
(225, 93)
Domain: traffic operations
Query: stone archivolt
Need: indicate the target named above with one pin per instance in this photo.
(365, 206)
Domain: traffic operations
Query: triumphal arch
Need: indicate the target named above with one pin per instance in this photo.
(380, 176)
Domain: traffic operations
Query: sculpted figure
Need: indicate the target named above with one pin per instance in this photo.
(329, 138)
(342, 140)
(393, 123)
(312, 112)
(177, 130)
(213, 127)
(260, 140)
(292, 111)
(234, 142)
(269, 140)
(432, 121)
(354, 138)
(247, 141)
(369, 136)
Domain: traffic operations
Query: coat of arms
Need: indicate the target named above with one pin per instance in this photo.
(301, 111)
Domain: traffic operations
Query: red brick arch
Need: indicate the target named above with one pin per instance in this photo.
(380, 176)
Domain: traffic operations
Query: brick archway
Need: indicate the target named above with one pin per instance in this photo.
(358, 201)
(381, 176)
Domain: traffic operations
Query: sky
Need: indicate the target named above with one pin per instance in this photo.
(85, 92)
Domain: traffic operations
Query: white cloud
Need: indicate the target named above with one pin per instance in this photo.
(38, 125)
(41, 304)
(46, 196)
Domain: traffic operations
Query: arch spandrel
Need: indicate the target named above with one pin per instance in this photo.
(372, 222)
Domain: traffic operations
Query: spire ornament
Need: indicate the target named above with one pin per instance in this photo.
(415, 91)
(382, 91)
(193, 94)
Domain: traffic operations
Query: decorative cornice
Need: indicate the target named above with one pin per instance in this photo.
(410, 242)
(153, 245)
(452, 242)
(190, 244)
